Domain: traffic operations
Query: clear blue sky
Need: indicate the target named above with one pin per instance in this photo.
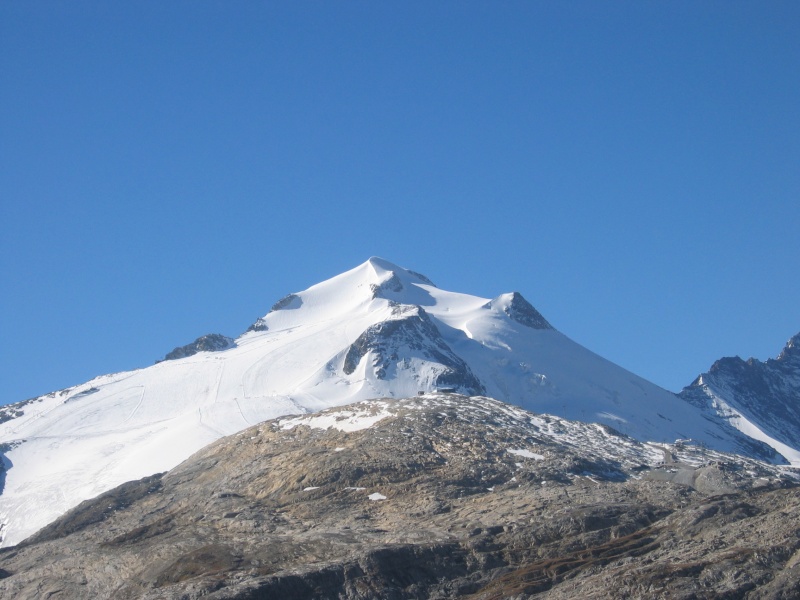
(170, 169)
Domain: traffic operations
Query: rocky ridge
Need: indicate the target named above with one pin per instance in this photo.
(763, 394)
(437, 496)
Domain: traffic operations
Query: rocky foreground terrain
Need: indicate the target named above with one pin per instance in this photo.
(438, 496)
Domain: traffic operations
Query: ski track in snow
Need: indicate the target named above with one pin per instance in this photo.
(138, 405)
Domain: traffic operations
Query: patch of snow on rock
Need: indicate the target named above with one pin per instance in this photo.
(526, 453)
(343, 420)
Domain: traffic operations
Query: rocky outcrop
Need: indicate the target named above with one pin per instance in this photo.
(411, 334)
(439, 496)
(259, 325)
(15, 410)
(213, 342)
(288, 302)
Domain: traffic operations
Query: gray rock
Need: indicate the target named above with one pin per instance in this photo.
(259, 325)
(288, 302)
(213, 342)
(446, 496)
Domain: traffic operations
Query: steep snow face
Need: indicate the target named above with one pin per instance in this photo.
(761, 399)
(376, 331)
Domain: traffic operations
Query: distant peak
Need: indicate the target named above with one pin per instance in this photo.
(520, 310)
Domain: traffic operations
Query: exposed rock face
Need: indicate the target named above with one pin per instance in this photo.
(766, 394)
(213, 342)
(289, 301)
(259, 325)
(411, 334)
(433, 497)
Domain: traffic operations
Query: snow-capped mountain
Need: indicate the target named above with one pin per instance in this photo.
(761, 399)
(376, 331)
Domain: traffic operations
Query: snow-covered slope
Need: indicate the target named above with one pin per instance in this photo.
(375, 331)
(761, 399)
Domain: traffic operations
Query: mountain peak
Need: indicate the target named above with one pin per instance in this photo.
(520, 310)
(378, 263)
(375, 331)
(341, 295)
